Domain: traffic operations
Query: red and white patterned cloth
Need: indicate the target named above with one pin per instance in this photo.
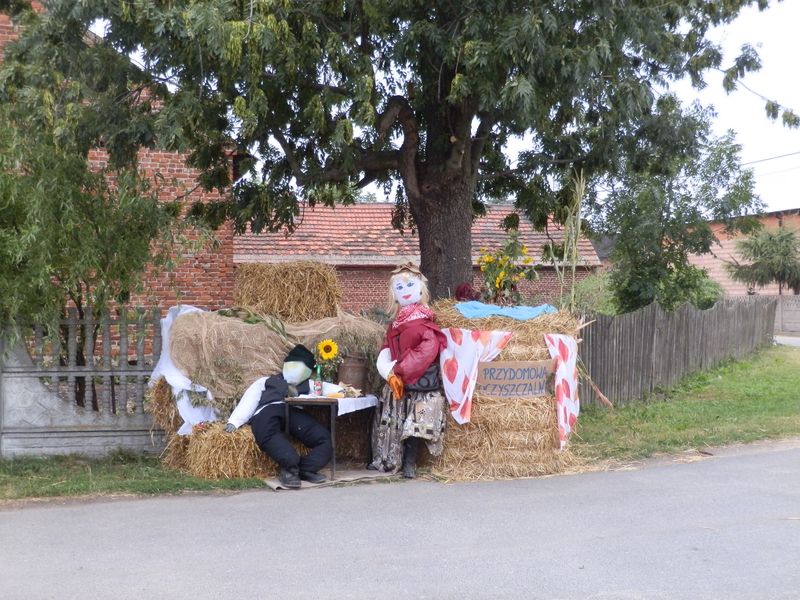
(564, 349)
(459, 365)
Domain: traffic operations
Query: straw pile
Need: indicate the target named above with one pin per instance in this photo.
(226, 354)
(212, 453)
(296, 291)
(160, 404)
(528, 341)
(507, 437)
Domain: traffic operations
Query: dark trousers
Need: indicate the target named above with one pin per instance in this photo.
(268, 426)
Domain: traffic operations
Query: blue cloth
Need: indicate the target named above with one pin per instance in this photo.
(477, 310)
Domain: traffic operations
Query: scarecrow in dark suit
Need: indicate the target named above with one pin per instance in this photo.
(267, 419)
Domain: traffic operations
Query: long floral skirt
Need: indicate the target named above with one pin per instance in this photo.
(416, 414)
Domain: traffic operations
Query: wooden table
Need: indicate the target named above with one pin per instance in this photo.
(333, 403)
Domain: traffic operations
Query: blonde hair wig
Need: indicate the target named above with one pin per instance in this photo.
(405, 272)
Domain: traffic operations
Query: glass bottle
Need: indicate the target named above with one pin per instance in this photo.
(318, 382)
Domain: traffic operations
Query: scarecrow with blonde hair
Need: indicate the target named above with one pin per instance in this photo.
(412, 406)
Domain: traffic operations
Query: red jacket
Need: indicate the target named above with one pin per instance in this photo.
(415, 345)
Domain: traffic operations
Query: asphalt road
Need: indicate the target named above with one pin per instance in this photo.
(695, 527)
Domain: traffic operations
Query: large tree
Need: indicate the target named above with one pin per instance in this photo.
(313, 98)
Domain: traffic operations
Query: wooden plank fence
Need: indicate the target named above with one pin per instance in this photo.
(630, 356)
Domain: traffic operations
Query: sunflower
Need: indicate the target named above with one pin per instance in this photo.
(328, 349)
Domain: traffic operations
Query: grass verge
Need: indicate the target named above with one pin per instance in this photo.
(752, 399)
(119, 473)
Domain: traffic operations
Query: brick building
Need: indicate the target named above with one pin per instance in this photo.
(725, 251)
(361, 244)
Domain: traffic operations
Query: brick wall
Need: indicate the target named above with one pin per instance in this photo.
(365, 287)
(204, 279)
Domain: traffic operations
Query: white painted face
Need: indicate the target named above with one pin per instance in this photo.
(407, 289)
(295, 371)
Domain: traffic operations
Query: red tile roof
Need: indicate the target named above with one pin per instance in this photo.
(362, 234)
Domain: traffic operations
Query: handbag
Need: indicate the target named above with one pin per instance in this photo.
(429, 381)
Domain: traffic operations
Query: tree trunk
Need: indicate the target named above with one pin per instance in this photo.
(444, 222)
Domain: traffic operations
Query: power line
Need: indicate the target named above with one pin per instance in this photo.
(760, 160)
(778, 172)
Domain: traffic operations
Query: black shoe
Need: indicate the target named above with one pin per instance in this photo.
(289, 479)
(313, 477)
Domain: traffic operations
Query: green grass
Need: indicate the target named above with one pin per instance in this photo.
(753, 399)
(120, 473)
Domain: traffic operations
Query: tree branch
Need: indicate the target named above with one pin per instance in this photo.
(288, 150)
(513, 172)
(479, 141)
(398, 109)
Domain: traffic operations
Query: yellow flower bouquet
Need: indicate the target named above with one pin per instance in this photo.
(328, 359)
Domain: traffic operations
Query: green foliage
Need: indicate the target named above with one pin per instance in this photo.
(593, 295)
(705, 292)
(329, 96)
(659, 214)
(770, 257)
(69, 232)
(503, 270)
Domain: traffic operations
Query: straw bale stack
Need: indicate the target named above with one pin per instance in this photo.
(226, 354)
(506, 437)
(174, 454)
(295, 291)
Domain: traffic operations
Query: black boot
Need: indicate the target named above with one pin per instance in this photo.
(410, 457)
(290, 478)
(312, 477)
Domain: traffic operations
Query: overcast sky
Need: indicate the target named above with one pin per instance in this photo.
(776, 35)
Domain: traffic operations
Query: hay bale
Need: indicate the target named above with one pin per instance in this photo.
(296, 291)
(357, 336)
(225, 354)
(352, 434)
(506, 437)
(212, 453)
(160, 403)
